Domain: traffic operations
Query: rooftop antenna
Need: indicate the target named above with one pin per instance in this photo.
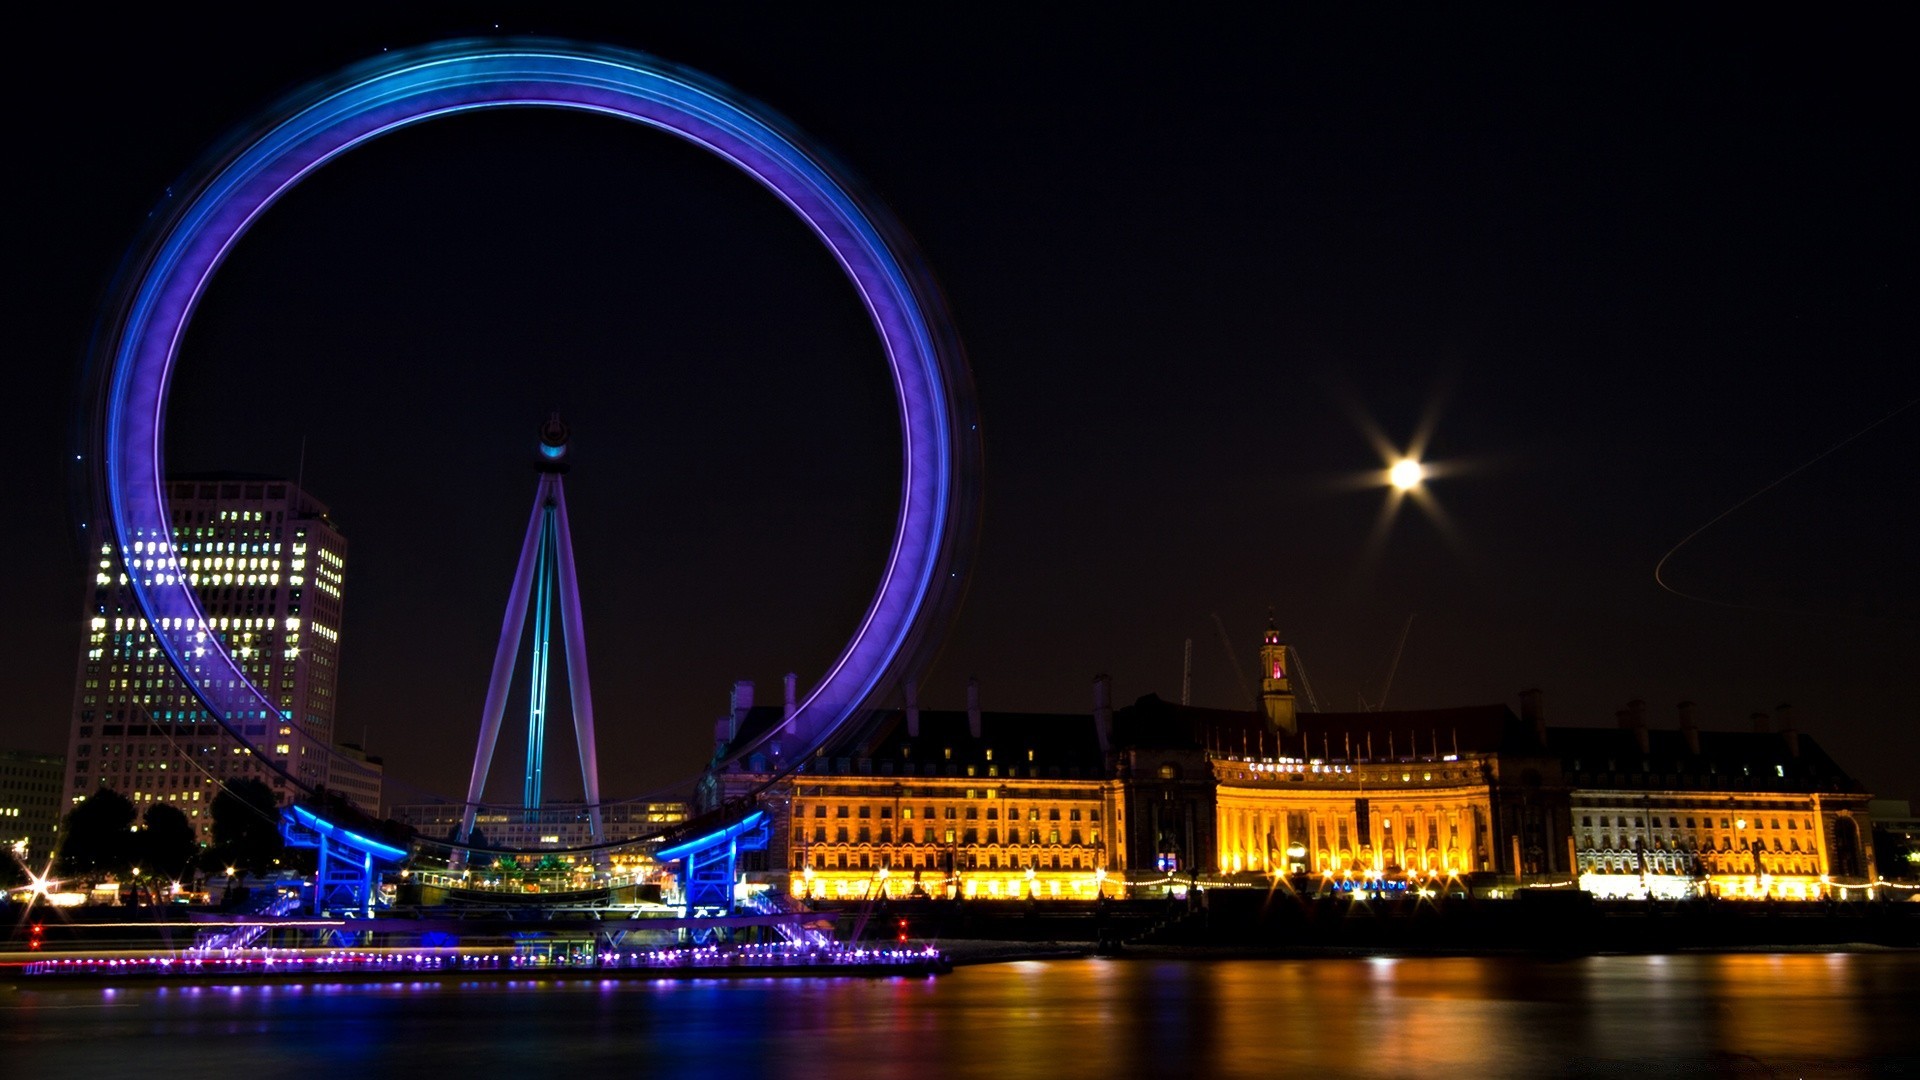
(300, 475)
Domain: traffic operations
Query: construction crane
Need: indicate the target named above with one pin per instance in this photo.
(1299, 668)
(1253, 700)
(1392, 669)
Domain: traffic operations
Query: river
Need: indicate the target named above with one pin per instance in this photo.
(1803, 1014)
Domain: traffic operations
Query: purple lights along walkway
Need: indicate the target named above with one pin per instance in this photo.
(932, 386)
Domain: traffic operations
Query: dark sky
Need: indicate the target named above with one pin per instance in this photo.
(1631, 272)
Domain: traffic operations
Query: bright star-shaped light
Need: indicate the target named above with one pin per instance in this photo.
(1404, 471)
(1406, 474)
(39, 885)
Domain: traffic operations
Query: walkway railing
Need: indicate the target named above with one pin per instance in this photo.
(239, 937)
(772, 902)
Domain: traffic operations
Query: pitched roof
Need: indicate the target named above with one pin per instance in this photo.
(1023, 743)
(1468, 729)
(1728, 760)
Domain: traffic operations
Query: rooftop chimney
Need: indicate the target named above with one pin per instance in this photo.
(1641, 736)
(1103, 711)
(1689, 730)
(1533, 709)
(973, 707)
(1761, 722)
(1787, 731)
(737, 711)
(1634, 718)
(913, 710)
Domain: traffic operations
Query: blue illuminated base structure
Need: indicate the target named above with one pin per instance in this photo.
(347, 878)
(713, 861)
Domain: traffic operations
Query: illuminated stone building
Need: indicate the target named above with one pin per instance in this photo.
(1481, 797)
(1350, 797)
(30, 804)
(269, 566)
(938, 803)
(1683, 812)
(1489, 796)
(1017, 805)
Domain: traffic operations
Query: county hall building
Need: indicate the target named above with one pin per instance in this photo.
(1044, 806)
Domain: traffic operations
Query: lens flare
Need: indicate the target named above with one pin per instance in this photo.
(1406, 474)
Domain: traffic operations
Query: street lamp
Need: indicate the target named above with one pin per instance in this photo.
(1741, 843)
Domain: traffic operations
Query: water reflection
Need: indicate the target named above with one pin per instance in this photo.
(1726, 1015)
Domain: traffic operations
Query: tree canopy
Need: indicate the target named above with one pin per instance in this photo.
(166, 843)
(98, 838)
(246, 827)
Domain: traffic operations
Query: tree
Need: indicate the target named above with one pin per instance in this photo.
(246, 827)
(477, 860)
(166, 843)
(98, 837)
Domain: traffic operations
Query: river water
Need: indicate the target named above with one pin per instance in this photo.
(1837, 1014)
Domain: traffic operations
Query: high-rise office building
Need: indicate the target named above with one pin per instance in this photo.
(269, 566)
(29, 803)
(357, 775)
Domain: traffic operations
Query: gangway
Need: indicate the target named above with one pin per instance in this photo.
(712, 861)
(275, 906)
(347, 873)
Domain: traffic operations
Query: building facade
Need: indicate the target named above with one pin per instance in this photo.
(1759, 814)
(30, 804)
(553, 827)
(1022, 805)
(269, 566)
(358, 775)
(935, 803)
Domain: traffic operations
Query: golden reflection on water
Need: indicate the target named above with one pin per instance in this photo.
(1732, 1015)
(1455, 1016)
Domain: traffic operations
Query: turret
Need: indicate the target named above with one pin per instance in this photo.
(1276, 688)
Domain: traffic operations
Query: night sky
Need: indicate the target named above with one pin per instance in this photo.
(1626, 274)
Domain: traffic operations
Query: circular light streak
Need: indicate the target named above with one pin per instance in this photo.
(1406, 474)
(207, 214)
